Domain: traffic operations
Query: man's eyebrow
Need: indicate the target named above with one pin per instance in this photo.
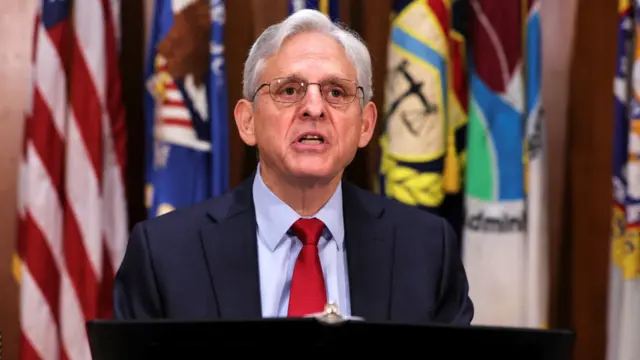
(298, 76)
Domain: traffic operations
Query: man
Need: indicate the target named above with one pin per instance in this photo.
(295, 236)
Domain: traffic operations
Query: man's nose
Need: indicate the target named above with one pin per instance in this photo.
(313, 102)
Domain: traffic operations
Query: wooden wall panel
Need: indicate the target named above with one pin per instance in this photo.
(558, 19)
(373, 23)
(132, 62)
(238, 37)
(589, 191)
(16, 22)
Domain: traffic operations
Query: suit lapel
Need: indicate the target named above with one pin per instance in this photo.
(230, 246)
(231, 249)
(369, 243)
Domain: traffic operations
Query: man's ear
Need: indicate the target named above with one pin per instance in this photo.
(243, 114)
(369, 116)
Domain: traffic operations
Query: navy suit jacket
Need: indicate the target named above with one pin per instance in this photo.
(201, 262)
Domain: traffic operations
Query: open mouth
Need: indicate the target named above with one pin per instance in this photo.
(311, 139)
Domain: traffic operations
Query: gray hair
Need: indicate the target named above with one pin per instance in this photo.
(306, 20)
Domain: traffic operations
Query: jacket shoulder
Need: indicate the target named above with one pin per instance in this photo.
(187, 218)
(398, 212)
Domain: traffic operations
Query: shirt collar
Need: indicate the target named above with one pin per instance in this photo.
(274, 217)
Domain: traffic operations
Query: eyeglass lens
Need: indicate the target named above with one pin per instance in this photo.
(335, 91)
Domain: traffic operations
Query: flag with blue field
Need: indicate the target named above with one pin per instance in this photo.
(495, 217)
(185, 105)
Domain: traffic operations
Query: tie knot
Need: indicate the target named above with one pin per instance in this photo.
(308, 230)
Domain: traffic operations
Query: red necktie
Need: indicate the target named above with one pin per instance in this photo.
(308, 294)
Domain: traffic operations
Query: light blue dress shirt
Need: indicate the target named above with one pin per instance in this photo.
(278, 250)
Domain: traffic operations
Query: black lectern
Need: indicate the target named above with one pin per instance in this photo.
(296, 338)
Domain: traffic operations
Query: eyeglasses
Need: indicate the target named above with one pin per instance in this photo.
(292, 89)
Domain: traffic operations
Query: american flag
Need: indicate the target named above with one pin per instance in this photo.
(72, 208)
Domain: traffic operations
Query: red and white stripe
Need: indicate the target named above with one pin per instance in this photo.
(72, 209)
(172, 110)
(174, 122)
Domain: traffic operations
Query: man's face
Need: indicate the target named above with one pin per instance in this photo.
(309, 139)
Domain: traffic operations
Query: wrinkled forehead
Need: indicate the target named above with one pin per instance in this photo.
(310, 56)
